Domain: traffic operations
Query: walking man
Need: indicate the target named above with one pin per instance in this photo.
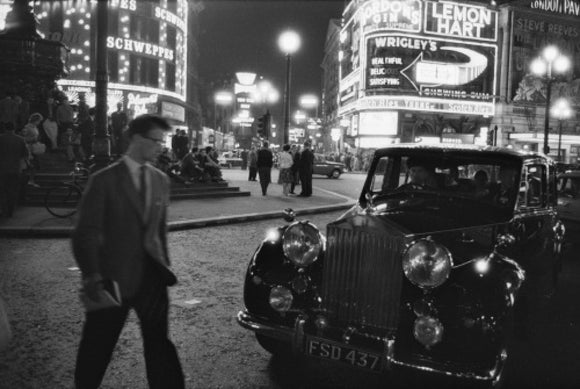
(252, 163)
(121, 236)
(13, 155)
(119, 120)
(264, 163)
(305, 167)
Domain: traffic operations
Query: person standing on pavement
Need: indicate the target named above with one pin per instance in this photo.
(119, 120)
(285, 162)
(244, 156)
(125, 241)
(295, 151)
(264, 163)
(64, 116)
(30, 134)
(252, 163)
(13, 155)
(305, 168)
(51, 130)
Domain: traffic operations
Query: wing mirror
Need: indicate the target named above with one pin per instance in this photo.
(289, 215)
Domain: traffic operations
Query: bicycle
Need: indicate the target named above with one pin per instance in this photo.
(61, 201)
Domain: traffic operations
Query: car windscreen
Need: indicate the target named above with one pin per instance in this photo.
(491, 181)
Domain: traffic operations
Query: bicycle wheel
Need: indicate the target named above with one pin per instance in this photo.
(62, 201)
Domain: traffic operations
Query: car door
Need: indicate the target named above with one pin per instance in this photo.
(320, 165)
(569, 198)
(535, 222)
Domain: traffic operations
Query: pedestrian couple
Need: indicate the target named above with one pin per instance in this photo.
(288, 164)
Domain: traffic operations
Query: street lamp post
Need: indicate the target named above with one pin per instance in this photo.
(101, 145)
(561, 111)
(289, 43)
(551, 61)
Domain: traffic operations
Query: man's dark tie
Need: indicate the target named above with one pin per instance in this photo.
(143, 187)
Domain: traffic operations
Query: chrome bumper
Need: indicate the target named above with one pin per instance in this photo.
(296, 336)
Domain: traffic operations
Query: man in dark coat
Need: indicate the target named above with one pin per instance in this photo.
(305, 168)
(265, 163)
(13, 154)
(295, 151)
(125, 241)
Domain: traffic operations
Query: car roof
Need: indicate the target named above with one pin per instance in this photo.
(489, 150)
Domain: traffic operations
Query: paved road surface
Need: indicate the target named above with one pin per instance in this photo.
(40, 284)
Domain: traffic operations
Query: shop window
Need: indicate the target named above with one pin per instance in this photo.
(135, 70)
(149, 72)
(170, 76)
(171, 37)
(172, 6)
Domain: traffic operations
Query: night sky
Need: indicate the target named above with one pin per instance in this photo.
(242, 36)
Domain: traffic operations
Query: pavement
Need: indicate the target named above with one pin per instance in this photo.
(36, 222)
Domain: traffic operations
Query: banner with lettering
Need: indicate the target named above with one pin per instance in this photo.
(532, 32)
(430, 67)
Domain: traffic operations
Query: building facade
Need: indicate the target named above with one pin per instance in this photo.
(147, 53)
(528, 27)
(330, 81)
(417, 71)
(451, 72)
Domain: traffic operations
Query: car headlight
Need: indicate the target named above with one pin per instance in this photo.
(427, 264)
(302, 243)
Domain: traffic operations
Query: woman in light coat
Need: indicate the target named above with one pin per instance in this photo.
(285, 162)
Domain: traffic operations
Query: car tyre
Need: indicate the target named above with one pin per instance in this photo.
(335, 174)
(274, 346)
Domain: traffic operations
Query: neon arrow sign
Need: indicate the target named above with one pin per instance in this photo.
(434, 73)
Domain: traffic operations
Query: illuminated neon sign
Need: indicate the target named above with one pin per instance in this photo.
(411, 103)
(131, 5)
(460, 20)
(404, 15)
(566, 7)
(430, 67)
(140, 47)
(169, 17)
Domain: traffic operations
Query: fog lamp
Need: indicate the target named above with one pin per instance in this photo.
(321, 322)
(280, 299)
(428, 331)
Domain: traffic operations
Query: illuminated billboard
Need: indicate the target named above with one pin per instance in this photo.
(434, 67)
(437, 56)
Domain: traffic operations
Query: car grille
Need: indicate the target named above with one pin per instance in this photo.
(362, 277)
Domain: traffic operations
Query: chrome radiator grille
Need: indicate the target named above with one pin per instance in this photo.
(362, 277)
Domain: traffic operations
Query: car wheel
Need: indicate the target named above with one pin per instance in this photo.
(335, 174)
(274, 346)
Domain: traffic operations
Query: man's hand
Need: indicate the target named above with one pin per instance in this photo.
(92, 285)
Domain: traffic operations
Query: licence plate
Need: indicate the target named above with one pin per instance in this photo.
(337, 352)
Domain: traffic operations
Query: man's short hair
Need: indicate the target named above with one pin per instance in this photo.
(142, 124)
(307, 144)
(194, 150)
(265, 144)
(208, 149)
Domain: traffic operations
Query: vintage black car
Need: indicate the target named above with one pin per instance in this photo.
(424, 272)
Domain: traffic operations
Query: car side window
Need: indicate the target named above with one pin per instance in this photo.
(533, 187)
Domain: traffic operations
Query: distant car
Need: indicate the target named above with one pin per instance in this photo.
(229, 160)
(569, 197)
(327, 168)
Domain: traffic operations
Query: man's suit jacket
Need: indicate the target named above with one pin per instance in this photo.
(111, 237)
(12, 151)
(306, 164)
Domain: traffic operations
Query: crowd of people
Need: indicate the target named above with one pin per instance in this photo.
(355, 161)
